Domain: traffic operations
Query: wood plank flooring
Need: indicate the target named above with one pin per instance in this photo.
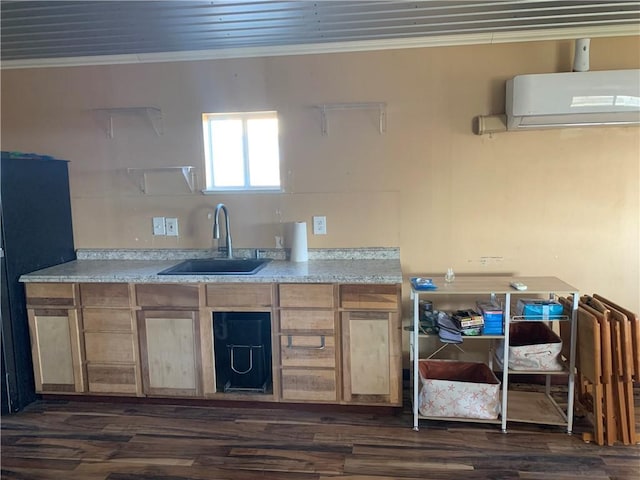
(75, 440)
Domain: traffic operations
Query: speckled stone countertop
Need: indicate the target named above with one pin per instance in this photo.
(369, 265)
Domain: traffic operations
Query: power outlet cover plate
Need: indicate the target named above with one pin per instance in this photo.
(172, 227)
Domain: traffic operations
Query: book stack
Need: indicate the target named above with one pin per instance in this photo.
(470, 321)
(493, 318)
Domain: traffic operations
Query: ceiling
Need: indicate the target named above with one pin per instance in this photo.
(50, 33)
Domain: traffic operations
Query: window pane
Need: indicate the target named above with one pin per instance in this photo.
(264, 158)
(226, 153)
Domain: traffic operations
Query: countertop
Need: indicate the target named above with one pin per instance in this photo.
(381, 266)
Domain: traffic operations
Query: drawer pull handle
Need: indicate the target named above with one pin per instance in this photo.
(305, 347)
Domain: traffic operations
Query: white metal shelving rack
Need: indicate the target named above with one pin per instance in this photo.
(152, 114)
(140, 175)
(381, 107)
(515, 404)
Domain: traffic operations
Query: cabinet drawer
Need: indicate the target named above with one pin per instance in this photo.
(112, 378)
(307, 351)
(106, 320)
(239, 295)
(307, 320)
(167, 295)
(369, 297)
(109, 347)
(310, 296)
(312, 385)
(54, 294)
(104, 294)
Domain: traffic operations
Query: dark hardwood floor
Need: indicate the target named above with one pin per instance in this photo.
(74, 440)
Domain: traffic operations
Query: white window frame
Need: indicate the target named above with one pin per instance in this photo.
(244, 116)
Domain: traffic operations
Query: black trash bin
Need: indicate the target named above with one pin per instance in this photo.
(242, 343)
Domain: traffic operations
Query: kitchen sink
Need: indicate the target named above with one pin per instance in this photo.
(217, 266)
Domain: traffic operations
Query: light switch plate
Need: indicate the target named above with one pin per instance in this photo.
(172, 227)
(158, 226)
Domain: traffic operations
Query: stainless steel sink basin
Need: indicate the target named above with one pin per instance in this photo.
(217, 266)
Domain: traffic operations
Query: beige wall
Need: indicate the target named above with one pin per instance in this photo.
(561, 202)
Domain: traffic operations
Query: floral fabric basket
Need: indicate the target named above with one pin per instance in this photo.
(458, 390)
(532, 346)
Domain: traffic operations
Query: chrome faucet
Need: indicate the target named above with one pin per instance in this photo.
(216, 228)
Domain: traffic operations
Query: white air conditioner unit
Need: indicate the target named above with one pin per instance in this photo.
(573, 99)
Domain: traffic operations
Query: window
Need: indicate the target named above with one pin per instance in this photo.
(241, 151)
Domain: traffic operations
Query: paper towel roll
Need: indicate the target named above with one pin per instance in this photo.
(299, 251)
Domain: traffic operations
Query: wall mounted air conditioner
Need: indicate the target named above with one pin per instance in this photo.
(573, 99)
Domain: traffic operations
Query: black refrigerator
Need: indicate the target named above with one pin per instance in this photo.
(35, 232)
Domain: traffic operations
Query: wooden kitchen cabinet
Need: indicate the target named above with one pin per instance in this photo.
(110, 339)
(371, 344)
(330, 343)
(308, 354)
(170, 352)
(56, 341)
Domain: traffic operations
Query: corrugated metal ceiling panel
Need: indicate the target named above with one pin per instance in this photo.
(56, 29)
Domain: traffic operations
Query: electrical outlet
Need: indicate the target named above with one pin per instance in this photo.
(279, 241)
(172, 227)
(319, 225)
(158, 226)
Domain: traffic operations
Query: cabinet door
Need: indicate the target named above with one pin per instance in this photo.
(56, 350)
(371, 357)
(170, 352)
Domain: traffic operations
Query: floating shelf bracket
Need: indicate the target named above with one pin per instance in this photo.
(380, 106)
(139, 175)
(152, 114)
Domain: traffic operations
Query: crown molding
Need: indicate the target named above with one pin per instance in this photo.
(337, 47)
